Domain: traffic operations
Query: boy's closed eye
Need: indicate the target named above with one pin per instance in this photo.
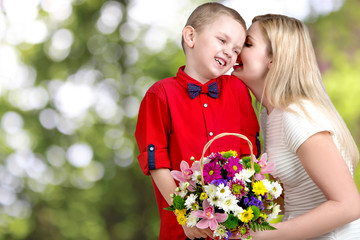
(222, 40)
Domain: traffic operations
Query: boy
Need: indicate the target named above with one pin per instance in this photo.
(179, 115)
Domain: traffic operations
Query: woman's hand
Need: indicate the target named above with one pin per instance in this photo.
(194, 232)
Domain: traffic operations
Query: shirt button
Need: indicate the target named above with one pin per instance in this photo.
(151, 149)
(205, 105)
(211, 134)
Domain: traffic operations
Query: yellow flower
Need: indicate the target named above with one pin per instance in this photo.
(230, 152)
(203, 196)
(181, 219)
(180, 216)
(263, 215)
(234, 153)
(247, 215)
(180, 212)
(259, 188)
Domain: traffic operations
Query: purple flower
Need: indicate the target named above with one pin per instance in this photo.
(216, 157)
(233, 166)
(211, 172)
(217, 182)
(254, 202)
(229, 235)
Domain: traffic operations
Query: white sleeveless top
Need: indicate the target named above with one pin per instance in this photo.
(283, 133)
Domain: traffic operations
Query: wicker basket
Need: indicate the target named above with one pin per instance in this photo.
(207, 145)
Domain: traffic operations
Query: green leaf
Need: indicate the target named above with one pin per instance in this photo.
(170, 208)
(255, 226)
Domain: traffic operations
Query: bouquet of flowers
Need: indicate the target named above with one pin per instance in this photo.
(225, 193)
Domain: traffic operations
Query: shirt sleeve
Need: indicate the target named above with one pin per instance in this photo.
(299, 126)
(152, 131)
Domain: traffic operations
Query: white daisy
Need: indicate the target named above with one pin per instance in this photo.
(196, 177)
(274, 214)
(214, 200)
(275, 190)
(238, 211)
(267, 184)
(183, 189)
(210, 190)
(191, 220)
(220, 231)
(229, 203)
(245, 175)
(223, 191)
(189, 202)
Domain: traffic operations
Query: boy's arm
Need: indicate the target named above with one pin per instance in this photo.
(166, 185)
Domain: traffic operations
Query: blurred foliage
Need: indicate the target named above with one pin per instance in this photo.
(69, 202)
(336, 39)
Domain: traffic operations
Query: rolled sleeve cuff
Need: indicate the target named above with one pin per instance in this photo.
(153, 159)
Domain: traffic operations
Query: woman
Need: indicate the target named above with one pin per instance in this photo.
(314, 153)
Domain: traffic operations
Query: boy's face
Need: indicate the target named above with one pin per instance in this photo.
(215, 48)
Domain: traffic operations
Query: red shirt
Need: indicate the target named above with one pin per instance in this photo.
(172, 127)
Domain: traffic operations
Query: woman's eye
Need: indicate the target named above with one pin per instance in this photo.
(247, 44)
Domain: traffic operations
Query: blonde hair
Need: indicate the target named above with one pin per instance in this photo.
(207, 13)
(294, 75)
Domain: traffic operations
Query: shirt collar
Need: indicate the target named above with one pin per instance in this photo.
(184, 79)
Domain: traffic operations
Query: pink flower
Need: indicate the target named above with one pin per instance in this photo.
(212, 171)
(233, 166)
(209, 218)
(238, 188)
(265, 167)
(186, 172)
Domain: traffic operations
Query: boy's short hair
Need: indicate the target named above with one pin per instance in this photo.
(207, 12)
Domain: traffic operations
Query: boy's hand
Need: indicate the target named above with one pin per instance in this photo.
(195, 232)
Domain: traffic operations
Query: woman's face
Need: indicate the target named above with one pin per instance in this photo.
(254, 61)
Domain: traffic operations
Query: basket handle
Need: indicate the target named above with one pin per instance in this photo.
(207, 145)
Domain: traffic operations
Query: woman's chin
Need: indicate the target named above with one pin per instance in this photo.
(236, 72)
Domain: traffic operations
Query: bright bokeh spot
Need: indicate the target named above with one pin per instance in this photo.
(12, 122)
(79, 155)
(58, 10)
(111, 15)
(49, 118)
(74, 99)
(36, 32)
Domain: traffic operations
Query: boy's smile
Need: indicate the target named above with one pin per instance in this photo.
(220, 61)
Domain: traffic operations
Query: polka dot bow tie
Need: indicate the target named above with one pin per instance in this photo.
(212, 90)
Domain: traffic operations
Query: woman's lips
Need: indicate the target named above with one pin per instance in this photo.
(237, 66)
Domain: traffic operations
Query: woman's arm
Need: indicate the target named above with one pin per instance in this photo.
(326, 167)
(166, 185)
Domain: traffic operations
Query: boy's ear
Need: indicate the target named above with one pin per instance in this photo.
(189, 36)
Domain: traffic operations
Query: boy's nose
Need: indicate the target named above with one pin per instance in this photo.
(229, 52)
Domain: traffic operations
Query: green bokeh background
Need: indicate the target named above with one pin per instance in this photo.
(120, 204)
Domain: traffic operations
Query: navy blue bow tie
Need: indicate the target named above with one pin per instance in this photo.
(212, 90)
